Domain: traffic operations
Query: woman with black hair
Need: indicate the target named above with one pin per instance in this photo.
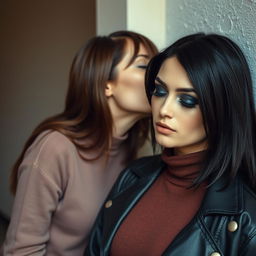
(198, 197)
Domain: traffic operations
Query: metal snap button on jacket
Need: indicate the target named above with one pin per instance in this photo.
(232, 226)
(108, 204)
(215, 254)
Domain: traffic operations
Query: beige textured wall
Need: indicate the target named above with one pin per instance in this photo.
(38, 42)
(148, 17)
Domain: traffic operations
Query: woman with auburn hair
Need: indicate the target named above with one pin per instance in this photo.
(199, 196)
(71, 160)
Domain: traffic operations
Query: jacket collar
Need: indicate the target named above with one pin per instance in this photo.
(149, 167)
(222, 199)
(219, 198)
(146, 171)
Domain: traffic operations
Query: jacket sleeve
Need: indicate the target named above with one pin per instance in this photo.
(40, 187)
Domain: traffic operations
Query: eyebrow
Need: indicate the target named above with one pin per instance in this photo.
(178, 89)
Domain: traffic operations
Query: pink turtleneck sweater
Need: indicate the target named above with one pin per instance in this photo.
(164, 210)
(58, 197)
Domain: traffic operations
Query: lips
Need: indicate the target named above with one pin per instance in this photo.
(165, 126)
(164, 129)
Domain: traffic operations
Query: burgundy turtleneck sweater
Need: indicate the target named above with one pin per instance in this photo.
(164, 210)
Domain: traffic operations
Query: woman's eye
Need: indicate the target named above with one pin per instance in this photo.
(159, 91)
(142, 66)
(187, 101)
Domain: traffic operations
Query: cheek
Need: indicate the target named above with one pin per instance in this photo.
(132, 87)
(130, 92)
(155, 107)
(132, 80)
(193, 123)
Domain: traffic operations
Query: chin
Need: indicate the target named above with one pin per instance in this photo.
(164, 142)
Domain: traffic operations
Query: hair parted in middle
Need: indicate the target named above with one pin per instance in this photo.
(219, 73)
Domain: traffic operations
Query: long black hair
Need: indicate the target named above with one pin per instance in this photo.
(220, 75)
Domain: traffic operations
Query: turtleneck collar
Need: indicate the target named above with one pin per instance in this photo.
(116, 143)
(181, 170)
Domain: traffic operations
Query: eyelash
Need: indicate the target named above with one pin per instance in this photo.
(142, 66)
(185, 100)
(159, 91)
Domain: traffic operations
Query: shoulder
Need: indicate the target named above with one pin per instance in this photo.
(248, 218)
(51, 151)
(50, 144)
(249, 199)
(53, 140)
(141, 165)
(52, 156)
(145, 167)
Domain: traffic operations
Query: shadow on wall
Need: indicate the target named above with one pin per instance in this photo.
(38, 42)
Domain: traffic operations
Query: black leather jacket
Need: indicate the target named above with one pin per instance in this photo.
(224, 225)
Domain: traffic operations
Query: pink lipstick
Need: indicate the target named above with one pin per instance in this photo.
(164, 129)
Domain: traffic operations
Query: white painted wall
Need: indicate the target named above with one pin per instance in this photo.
(148, 17)
(233, 18)
(143, 16)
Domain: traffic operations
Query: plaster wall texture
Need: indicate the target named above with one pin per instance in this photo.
(233, 18)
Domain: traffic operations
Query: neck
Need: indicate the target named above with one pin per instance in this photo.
(122, 124)
(123, 120)
(181, 170)
(201, 146)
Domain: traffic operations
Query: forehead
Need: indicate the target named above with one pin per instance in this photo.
(128, 54)
(129, 48)
(173, 73)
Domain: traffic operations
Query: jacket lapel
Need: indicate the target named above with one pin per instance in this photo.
(223, 200)
(218, 199)
(121, 206)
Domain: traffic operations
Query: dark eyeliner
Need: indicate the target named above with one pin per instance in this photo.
(142, 66)
(188, 101)
(160, 90)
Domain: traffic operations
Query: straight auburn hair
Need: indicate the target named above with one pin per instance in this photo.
(219, 73)
(86, 113)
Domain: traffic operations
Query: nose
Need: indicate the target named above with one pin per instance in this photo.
(166, 110)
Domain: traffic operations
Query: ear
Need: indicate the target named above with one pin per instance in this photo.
(109, 89)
